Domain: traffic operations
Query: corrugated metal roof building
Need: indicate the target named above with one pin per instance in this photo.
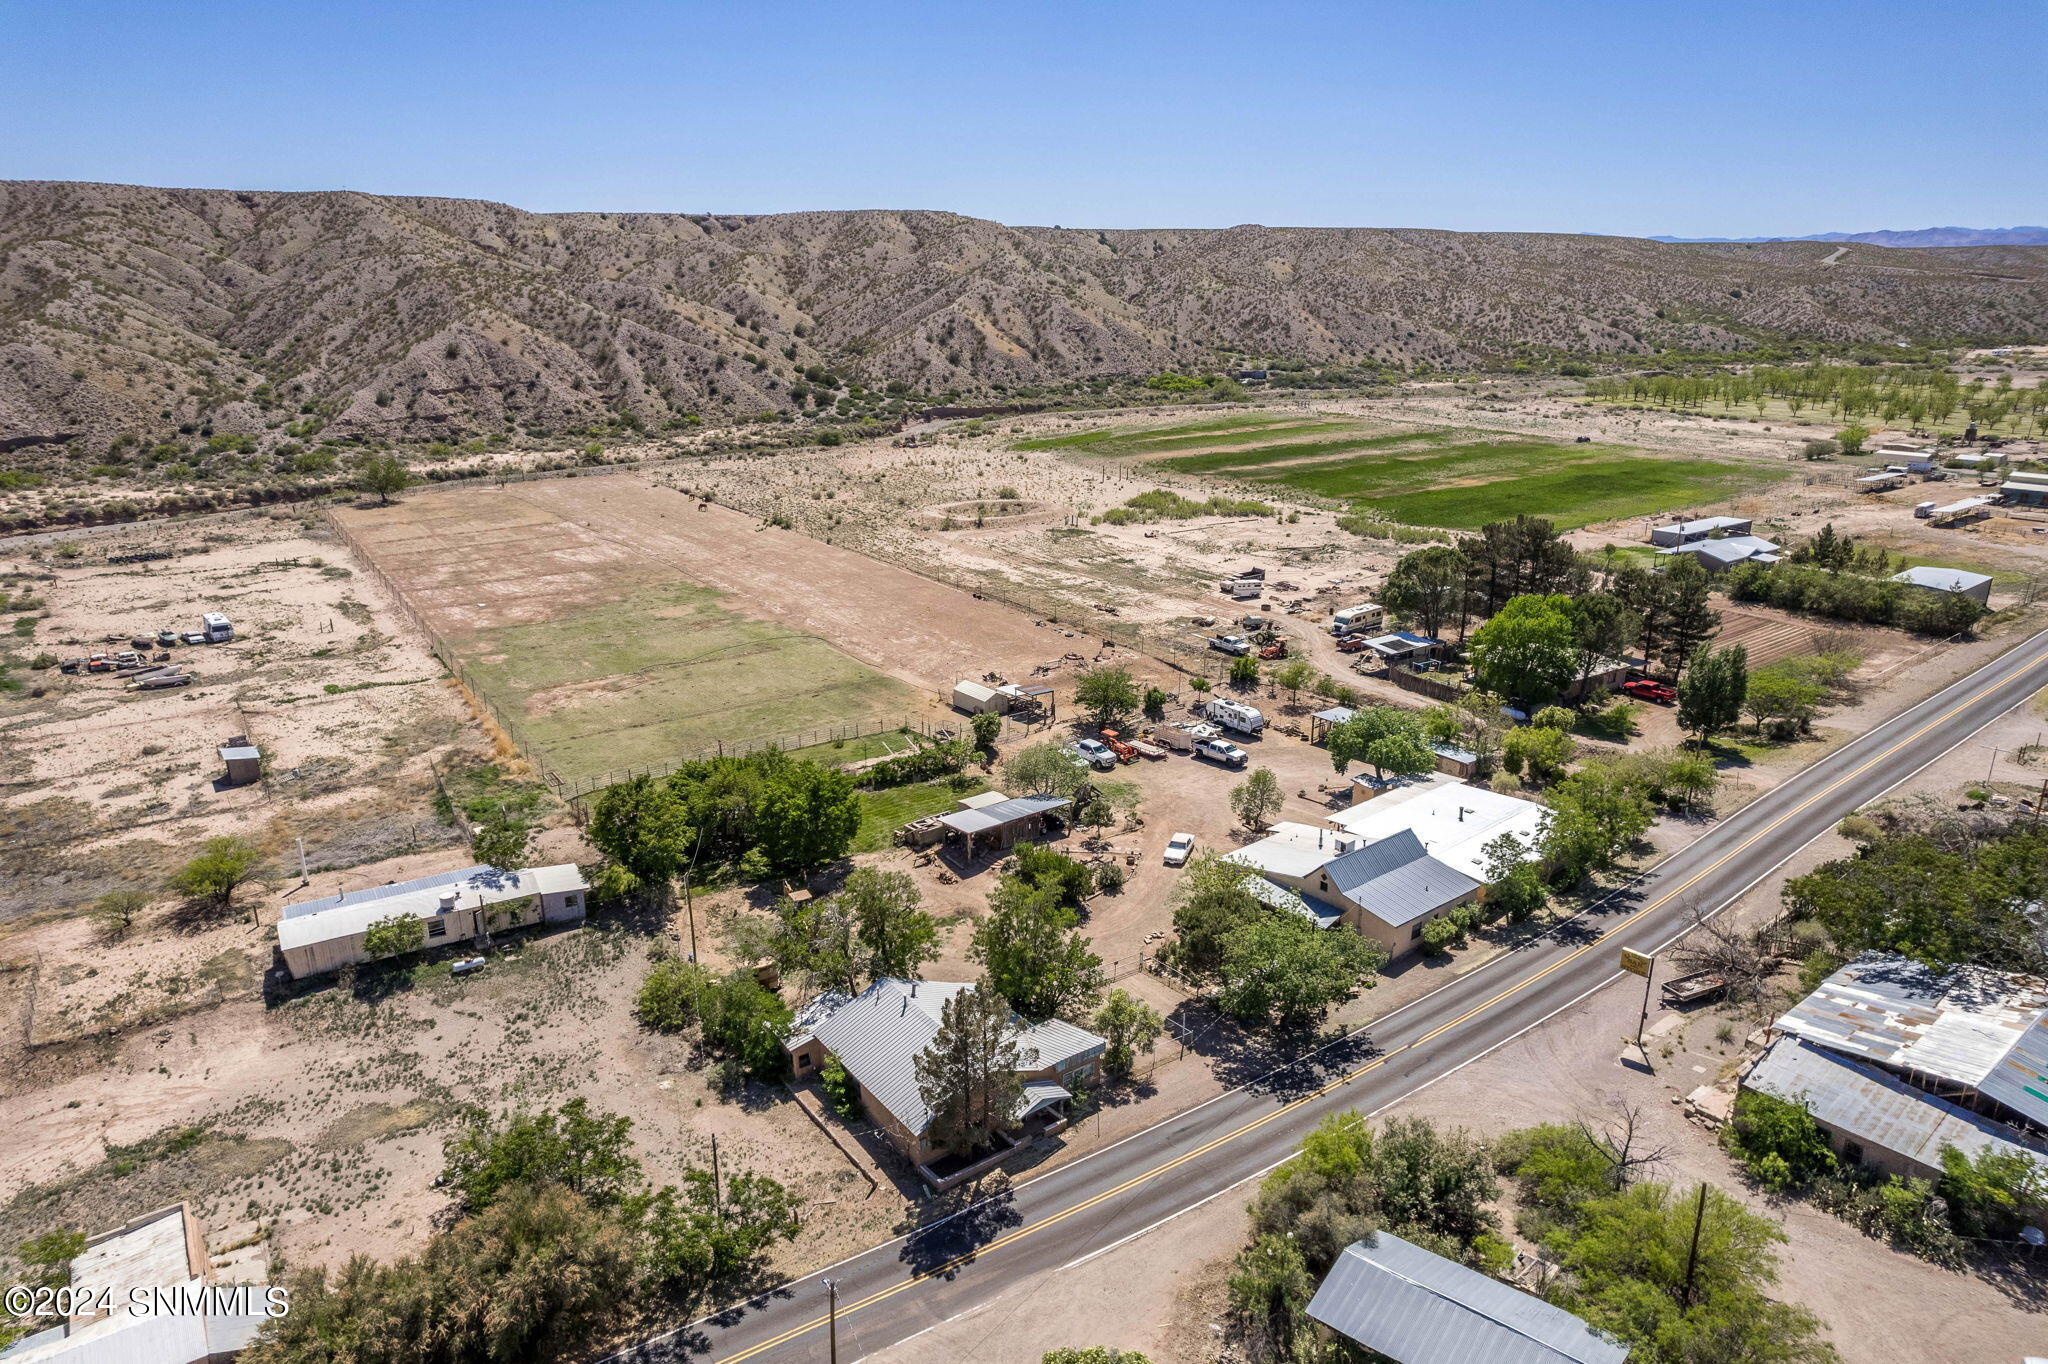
(1976, 1037)
(1418, 1308)
(1876, 1118)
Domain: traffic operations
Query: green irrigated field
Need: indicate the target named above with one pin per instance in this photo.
(1153, 440)
(1456, 479)
(666, 672)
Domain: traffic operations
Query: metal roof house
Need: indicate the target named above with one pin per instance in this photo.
(1973, 1037)
(1416, 1307)
(879, 1033)
(1403, 646)
(1455, 821)
(1385, 889)
(458, 906)
(1729, 551)
(1928, 578)
(1685, 532)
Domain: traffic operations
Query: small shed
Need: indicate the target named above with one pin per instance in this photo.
(1454, 761)
(243, 760)
(1323, 721)
(978, 698)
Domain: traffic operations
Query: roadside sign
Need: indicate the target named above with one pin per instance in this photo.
(1637, 963)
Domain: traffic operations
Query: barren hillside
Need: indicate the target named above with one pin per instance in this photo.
(133, 311)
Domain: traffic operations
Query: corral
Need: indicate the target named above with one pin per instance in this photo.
(619, 623)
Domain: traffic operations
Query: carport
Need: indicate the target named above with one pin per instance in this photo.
(999, 825)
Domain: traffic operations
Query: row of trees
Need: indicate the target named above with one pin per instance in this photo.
(558, 1236)
(1925, 397)
(1853, 596)
(1552, 617)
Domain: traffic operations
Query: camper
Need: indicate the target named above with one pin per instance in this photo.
(216, 627)
(1234, 715)
(1364, 616)
(1242, 589)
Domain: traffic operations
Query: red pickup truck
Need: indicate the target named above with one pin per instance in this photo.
(1643, 689)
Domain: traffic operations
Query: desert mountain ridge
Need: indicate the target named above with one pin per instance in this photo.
(130, 312)
(1913, 237)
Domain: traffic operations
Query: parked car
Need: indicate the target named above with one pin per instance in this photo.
(1643, 689)
(1221, 751)
(166, 638)
(1230, 644)
(1179, 849)
(1351, 644)
(192, 637)
(1098, 754)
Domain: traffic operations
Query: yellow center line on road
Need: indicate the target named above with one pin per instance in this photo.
(1166, 1167)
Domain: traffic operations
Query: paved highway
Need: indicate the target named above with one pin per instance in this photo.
(1074, 1211)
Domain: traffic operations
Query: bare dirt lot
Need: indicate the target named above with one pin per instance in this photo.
(619, 622)
(105, 786)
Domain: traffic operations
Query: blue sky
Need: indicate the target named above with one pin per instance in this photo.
(1636, 118)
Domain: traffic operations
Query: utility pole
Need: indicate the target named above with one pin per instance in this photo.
(832, 1319)
(690, 904)
(1692, 1256)
(717, 1188)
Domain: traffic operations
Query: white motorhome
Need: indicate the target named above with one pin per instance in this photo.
(1364, 616)
(216, 627)
(1234, 715)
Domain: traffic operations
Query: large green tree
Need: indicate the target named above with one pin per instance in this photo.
(1596, 815)
(538, 1275)
(642, 827)
(967, 1076)
(1529, 650)
(1689, 617)
(1278, 968)
(1108, 694)
(893, 934)
(1129, 1026)
(1427, 589)
(1386, 738)
(587, 1153)
(808, 817)
(223, 866)
(1712, 691)
(1034, 955)
(1683, 1280)
(1257, 798)
(1045, 769)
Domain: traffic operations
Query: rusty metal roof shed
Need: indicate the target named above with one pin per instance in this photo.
(1968, 1025)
